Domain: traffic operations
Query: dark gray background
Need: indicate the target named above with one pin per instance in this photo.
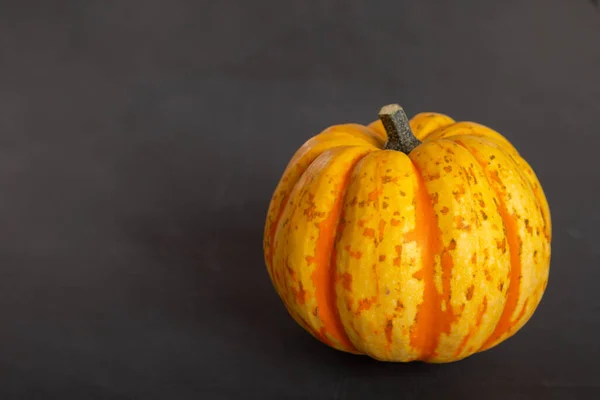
(140, 142)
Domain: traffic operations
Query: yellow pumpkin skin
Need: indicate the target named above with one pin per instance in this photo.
(433, 256)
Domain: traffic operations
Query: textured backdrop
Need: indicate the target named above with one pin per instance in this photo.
(140, 143)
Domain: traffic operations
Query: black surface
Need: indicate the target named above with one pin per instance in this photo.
(140, 143)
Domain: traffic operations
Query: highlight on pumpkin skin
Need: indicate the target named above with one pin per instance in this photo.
(433, 256)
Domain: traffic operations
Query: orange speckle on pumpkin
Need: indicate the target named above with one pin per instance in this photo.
(494, 176)
(382, 258)
(376, 278)
(347, 281)
(448, 168)
(299, 294)
(461, 223)
(309, 260)
(483, 215)
(481, 312)
(452, 245)
(353, 254)
(394, 222)
(488, 276)
(474, 258)
(419, 275)
(388, 331)
(469, 293)
(374, 195)
(501, 244)
(528, 227)
(459, 192)
(444, 210)
(411, 236)
(311, 211)
(369, 232)
(399, 306)
(397, 259)
(365, 304)
(381, 229)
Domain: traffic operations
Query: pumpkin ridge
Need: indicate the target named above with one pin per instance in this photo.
(323, 276)
(371, 133)
(514, 243)
(304, 149)
(512, 295)
(284, 286)
(331, 137)
(274, 223)
(522, 165)
(537, 193)
(421, 129)
(467, 128)
(283, 289)
(547, 229)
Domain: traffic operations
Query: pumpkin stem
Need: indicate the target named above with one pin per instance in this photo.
(395, 122)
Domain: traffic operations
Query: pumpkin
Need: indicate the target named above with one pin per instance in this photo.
(426, 239)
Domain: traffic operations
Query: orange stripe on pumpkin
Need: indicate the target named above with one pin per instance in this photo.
(439, 319)
(512, 297)
(323, 276)
(478, 320)
(428, 237)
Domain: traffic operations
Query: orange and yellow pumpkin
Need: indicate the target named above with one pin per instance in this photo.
(426, 239)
